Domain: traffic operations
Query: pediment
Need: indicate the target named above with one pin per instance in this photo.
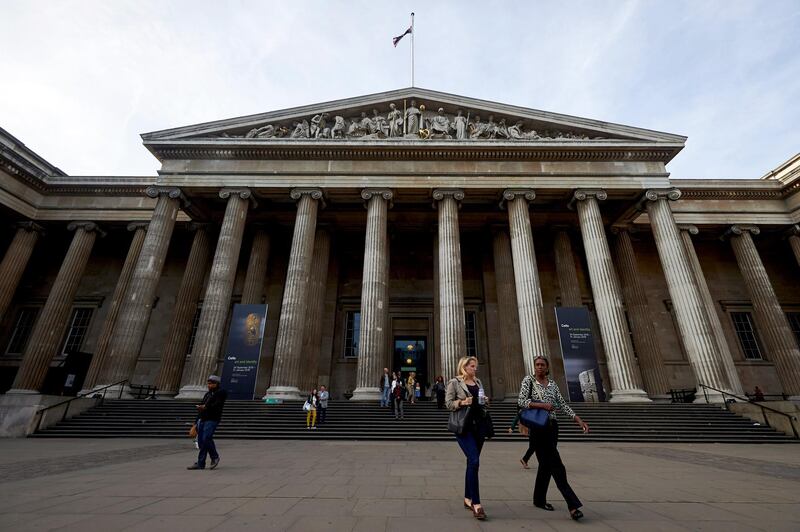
(410, 115)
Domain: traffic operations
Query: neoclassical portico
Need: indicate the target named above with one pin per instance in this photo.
(332, 228)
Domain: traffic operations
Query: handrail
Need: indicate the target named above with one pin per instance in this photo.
(40, 413)
(752, 402)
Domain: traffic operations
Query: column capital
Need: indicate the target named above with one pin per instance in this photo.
(439, 194)
(315, 193)
(30, 227)
(582, 194)
(691, 229)
(155, 191)
(86, 226)
(133, 226)
(385, 193)
(243, 193)
(510, 194)
(793, 230)
(738, 230)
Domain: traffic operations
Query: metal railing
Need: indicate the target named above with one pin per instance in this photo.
(764, 409)
(94, 393)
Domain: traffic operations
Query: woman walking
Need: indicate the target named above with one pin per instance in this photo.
(466, 391)
(538, 391)
(310, 407)
(398, 395)
(411, 387)
(439, 390)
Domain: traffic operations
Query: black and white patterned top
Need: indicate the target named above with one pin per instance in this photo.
(531, 390)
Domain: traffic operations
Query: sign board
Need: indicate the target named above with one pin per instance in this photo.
(581, 370)
(243, 352)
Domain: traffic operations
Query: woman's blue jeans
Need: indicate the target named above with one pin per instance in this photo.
(471, 442)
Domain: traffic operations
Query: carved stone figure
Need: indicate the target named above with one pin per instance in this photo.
(264, 132)
(338, 129)
(477, 129)
(301, 130)
(395, 118)
(491, 127)
(379, 124)
(423, 122)
(515, 132)
(366, 124)
(460, 125)
(413, 115)
(500, 130)
(318, 125)
(440, 124)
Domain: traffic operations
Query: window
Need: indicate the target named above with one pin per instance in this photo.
(23, 326)
(746, 332)
(78, 325)
(195, 323)
(794, 323)
(352, 334)
(472, 337)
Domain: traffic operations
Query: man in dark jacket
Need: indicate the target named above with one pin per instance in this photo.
(209, 414)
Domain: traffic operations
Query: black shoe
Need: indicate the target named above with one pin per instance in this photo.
(546, 506)
(195, 466)
(577, 514)
(214, 463)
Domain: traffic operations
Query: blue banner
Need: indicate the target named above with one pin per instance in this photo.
(581, 370)
(244, 351)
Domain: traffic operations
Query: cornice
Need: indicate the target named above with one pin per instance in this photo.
(732, 194)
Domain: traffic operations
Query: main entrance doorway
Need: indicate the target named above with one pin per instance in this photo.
(411, 354)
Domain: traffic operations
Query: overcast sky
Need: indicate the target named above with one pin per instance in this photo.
(82, 79)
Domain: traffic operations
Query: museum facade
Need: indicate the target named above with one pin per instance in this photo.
(404, 230)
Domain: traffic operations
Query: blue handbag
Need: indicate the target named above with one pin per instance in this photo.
(534, 418)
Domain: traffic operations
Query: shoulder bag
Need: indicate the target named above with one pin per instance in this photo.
(457, 422)
(534, 417)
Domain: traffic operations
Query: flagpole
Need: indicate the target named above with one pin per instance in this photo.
(412, 49)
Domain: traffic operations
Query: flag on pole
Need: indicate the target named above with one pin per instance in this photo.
(396, 40)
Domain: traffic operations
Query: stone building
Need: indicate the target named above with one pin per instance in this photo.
(410, 223)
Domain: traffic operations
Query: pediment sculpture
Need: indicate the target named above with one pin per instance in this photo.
(415, 122)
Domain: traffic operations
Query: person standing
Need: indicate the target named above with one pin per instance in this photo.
(323, 403)
(411, 386)
(538, 391)
(466, 391)
(209, 414)
(398, 395)
(385, 386)
(310, 406)
(439, 390)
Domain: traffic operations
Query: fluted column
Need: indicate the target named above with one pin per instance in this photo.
(626, 380)
(452, 326)
(124, 280)
(651, 363)
(723, 351)
(374, 296)
(286, 368)
(510, 339)
(693, 324)
(48, 333)
(794, 242)
(179, 334)
(526, 278)
(565, 268)
(774, 328)
(217, 300)
(16, 260)
(134, 314)
(318, 280)
(253, 291)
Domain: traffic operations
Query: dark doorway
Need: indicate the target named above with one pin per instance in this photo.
(411, 354)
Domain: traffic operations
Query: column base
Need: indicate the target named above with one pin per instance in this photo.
(21, 391)
(665, 398)
(192, 391)
(164, 394)
(709, 396)
(286, 393)
(366, 394)
(629, 396)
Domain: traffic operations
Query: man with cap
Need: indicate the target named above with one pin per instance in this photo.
(209, 414)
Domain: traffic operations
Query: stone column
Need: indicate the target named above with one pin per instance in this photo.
(179, 335)
(134, 314)
(696, 332)
(773, 325)
(16, 260)
(217, 301)
(510, 340)
(651, 363)
(286, 369)
(452, 326)
(374, 297)
(48, 333)
(309, 376)
(722, 349)
(794, 242)
(124, 280)
(526, 278)
(253, 291)
(565, 268)
(626, 380)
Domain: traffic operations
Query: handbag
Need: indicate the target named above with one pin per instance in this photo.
(488, 426)
(193, 431)
(534, 417)
(306, 406)
(457, 422)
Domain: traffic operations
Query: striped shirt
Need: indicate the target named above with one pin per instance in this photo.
(531, 390)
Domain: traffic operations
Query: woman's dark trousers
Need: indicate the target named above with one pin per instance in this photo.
(545, 443)
(471, 442)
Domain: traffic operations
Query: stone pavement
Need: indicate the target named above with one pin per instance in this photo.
(105, 485)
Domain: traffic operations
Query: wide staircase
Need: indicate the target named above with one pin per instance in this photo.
(349, 420)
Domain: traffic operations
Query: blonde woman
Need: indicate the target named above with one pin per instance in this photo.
(466, 391)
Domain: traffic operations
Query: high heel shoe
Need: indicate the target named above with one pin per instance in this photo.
(577, 514)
